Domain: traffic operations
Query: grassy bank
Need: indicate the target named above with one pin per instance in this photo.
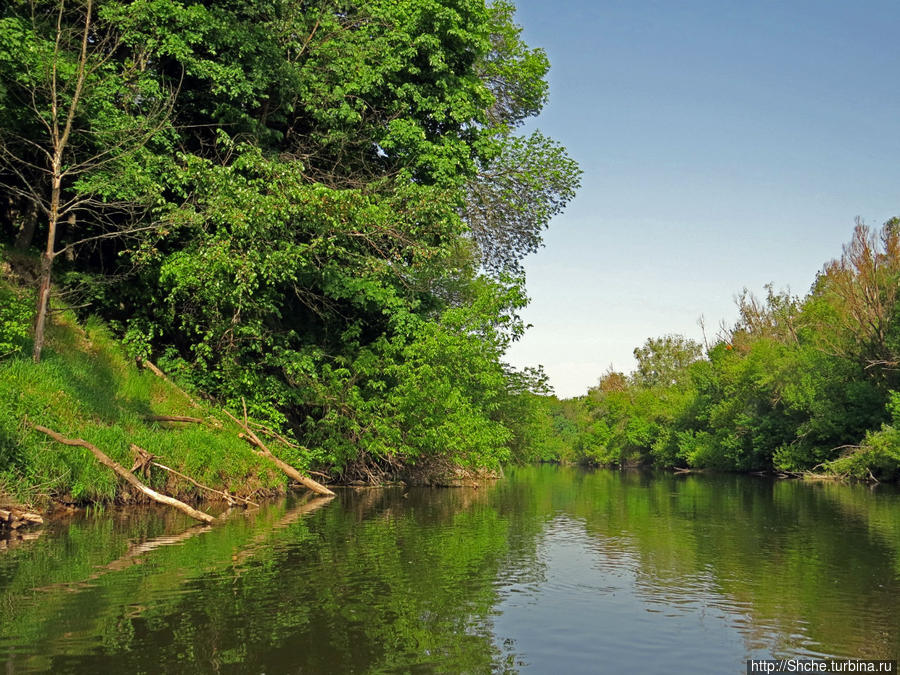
(85, 387)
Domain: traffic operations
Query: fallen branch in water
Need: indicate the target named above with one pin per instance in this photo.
(147, 458)
(252, 438)
(125, 475)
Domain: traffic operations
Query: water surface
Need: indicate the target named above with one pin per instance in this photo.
(550, 570)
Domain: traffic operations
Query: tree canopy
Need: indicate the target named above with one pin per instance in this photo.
(317, 207)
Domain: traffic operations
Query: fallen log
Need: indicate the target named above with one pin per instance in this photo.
(15, 518)
(126, 475)
(291, 472)
(230, 498)
(278, 437)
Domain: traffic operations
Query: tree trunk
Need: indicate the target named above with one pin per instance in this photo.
(43, 303)
(43, 299)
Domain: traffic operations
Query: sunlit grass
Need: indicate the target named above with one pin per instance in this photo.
(85, 387)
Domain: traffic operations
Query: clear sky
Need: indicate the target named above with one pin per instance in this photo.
(725, 144)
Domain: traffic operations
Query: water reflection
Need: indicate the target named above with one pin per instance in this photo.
(551, 569)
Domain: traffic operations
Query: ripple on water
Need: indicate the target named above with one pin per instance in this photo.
(550, 571)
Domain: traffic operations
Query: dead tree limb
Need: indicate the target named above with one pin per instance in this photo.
(126, 475)
(307, 482)
(274, 434)
(230, 498)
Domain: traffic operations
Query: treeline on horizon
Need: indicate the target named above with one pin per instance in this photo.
(797, 384)
(316, 207)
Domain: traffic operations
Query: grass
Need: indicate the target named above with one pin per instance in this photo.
(85, 387)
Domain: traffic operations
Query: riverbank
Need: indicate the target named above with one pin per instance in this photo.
(86, 388)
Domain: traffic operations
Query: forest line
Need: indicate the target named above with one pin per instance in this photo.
(796, 385)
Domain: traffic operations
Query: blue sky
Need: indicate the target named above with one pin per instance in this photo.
(724, 145)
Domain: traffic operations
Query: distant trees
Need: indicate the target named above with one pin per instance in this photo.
(661, 361)
(794, 384)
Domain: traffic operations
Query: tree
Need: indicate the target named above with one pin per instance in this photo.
(513, 197)
(76, 114)
(523, 182)
(662, 361)
(860, 295)
(314, 255)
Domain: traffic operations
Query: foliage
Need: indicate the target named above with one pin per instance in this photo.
(794, 385)
(15, 320)
(296, 183)
(514, 196)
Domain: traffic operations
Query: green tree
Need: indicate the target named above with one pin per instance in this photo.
(78, 112)
(662, 361)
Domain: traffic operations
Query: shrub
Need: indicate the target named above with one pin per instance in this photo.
(15, 321)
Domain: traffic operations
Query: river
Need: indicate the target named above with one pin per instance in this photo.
(552, 569)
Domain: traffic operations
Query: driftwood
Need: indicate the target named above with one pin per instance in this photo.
(145, 458)
(307, 482)
(126, 475)
(13, 519)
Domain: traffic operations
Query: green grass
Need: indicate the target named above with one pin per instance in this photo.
(85, 387)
